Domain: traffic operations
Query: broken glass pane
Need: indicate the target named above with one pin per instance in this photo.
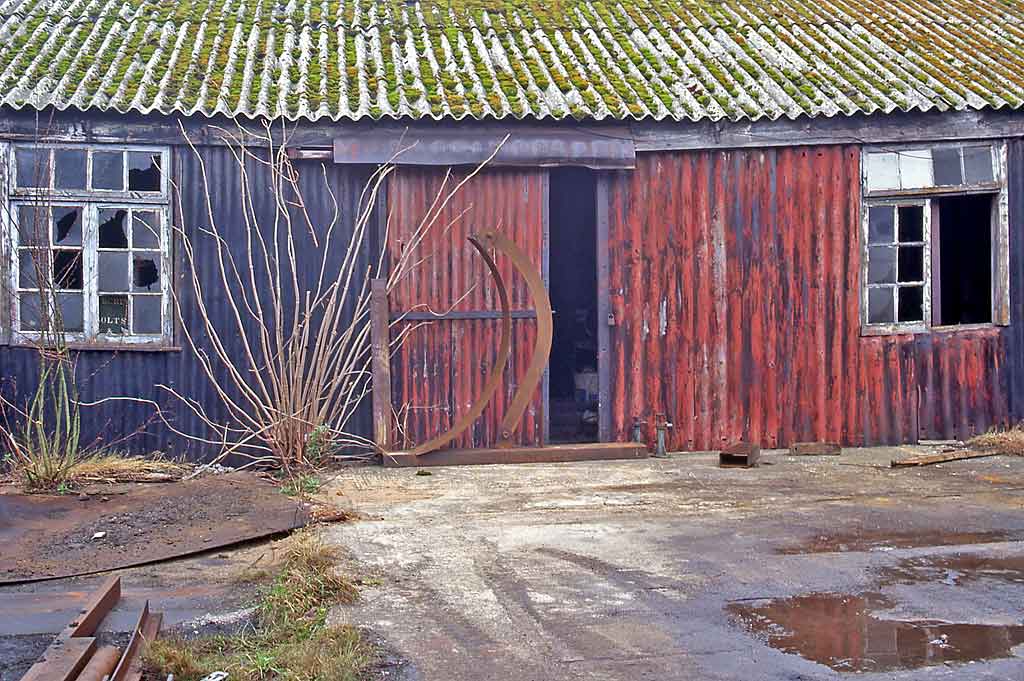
(67, 226)
(978, 164)
(112, 228)
(881, 224)
(911, 223)
(882, 265)
(113, 314)
(916, 168)
(108, 170)
(113, 271)
(71, 311)
(883, 171)
(31, 262)
(911, 265)
(69, 171)
(145, 272)
(67, 270)
(32, 226)
(911, 304)
(880, 306)
(145, 229)
(33, 167)
(29, 307)
(947, 166)
(146, 315)
(143, 171)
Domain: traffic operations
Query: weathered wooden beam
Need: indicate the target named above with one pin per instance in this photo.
(600, 451)
(380, 359)
(943, 457)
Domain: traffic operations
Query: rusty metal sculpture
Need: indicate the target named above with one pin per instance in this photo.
(506, 452)
(483, 243)
(480, 243)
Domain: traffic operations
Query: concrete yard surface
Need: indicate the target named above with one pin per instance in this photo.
(803, 568)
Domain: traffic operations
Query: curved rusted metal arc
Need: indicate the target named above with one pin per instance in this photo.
(497, 369)
(545, 328)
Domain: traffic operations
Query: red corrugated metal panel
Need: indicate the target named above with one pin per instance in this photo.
(441, 367)
(735, 286)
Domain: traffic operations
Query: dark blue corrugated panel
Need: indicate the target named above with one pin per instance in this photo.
(1015, 342)
(136, 373)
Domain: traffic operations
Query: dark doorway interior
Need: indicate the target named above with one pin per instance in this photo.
(573, 285)
(965, 242)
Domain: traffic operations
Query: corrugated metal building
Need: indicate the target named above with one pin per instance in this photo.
(773, 222)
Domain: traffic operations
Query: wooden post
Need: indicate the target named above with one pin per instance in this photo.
(380, 347)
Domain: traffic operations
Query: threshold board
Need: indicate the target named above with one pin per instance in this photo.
(596, 451)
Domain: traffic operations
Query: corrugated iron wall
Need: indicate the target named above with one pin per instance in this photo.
(441, 366)
(135, 373)
(735, 290)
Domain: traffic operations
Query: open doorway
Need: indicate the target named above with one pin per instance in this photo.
(573, 404)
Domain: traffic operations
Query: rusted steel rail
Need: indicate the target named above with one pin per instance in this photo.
(73, 655)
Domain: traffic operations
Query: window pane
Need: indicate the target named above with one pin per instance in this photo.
(143, 171)
(911, 223)
(947, 166)
(32, 226)
(113, 314)
(881, 224)
(880, 306)
(146, 272)
(71, 310)
(31, 262)
(67, 226)
(911, 263)
(29, 306)
(112, 228)
(916, 169)
(33, 167)
(108, 170)
(911, 304)
(146, 315)
(69, 171)
(67, 270)
(883, 171)
(978, 164)
(882, 265)
(113, 271)
(145, 229)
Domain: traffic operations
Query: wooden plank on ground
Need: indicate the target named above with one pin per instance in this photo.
(928, 459)
(600, 451)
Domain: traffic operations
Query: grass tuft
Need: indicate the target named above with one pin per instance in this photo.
(37, 474)
(1002, 440)
(290, 639)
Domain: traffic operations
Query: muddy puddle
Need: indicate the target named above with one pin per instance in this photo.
(871, 540)
(844, 633)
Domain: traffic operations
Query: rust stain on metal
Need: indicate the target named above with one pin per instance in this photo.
(735, 286)
(494, 377)
(49, 537)
(442, 366)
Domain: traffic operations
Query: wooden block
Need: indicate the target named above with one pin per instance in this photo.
(815, 449)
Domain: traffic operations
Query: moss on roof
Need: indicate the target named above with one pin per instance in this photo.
(597, 59)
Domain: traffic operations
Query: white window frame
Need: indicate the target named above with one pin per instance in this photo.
(918, 195)
(92, 202)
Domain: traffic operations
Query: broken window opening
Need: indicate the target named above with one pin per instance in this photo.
(963, 287)
(89, 242)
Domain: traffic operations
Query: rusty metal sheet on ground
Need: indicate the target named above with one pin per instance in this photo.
(46, 537)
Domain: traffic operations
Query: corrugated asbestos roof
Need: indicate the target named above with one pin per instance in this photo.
(488, 59)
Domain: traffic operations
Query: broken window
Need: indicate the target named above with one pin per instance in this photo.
(91, 248)
(933, 255)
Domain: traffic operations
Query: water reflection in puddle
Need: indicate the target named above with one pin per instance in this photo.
(840, 631)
